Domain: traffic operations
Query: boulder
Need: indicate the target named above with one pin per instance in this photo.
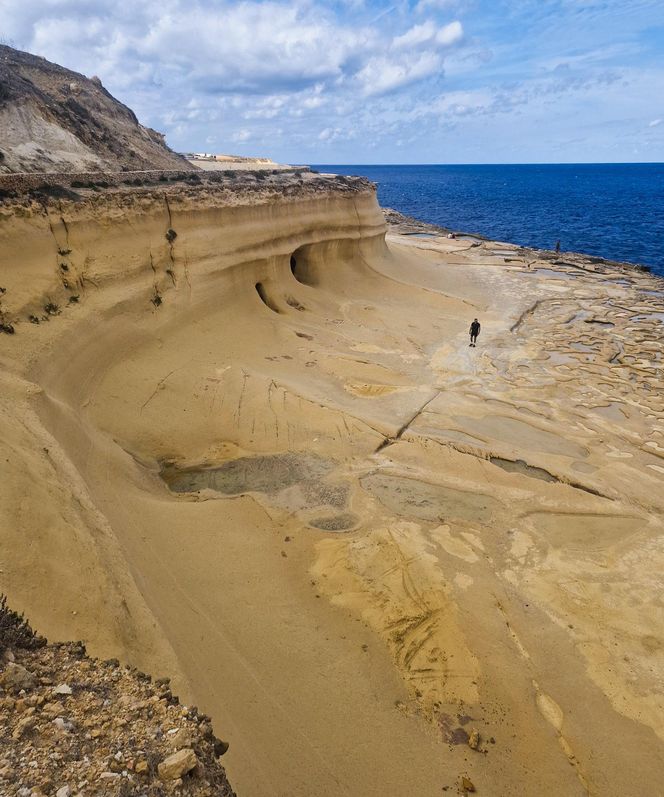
(15, 677)
(177, 765)
(181, 739)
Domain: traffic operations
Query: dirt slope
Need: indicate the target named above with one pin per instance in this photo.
(73, 726)
(53, 119)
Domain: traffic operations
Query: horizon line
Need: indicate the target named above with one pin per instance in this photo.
(525, 163)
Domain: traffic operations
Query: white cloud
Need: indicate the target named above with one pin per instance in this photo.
(418, 34)
(218, 46)
(312, 102)
(429, 34)
(450, 34)
(381, 75)
(188, 65)
(412, 57)
(655, 123)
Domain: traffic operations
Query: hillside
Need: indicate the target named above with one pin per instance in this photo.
(56, 120)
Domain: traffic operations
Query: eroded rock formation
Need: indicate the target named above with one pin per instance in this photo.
(258, 450)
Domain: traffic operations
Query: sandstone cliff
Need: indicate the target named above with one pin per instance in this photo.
(110, 268)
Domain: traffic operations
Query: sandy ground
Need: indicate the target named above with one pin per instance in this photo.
(353, 538)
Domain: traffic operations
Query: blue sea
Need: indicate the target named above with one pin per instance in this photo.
(614, 211)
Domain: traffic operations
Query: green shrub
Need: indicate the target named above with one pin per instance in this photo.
(15, 631)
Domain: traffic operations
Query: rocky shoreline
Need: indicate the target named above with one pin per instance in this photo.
(402, 224)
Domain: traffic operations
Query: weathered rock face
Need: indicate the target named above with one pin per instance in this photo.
(120, 251)
(163, 235)
(53, 119)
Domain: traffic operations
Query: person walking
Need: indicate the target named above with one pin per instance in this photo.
(474, 332)
(557, 247)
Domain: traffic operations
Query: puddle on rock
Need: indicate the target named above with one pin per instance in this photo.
(291, 481)
(432, 502)
(582, 347)
(260, 474)
(519, 466)
(343, 522)
(553, 274)
(655, 317)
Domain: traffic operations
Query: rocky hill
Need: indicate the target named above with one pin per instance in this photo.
(56, 120)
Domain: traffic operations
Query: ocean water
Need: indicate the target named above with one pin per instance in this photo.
(614, 211)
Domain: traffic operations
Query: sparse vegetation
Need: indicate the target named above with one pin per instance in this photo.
(156, 298)
(171, 235)
(64, 253)
(51, 308)
(15, 631)
(55, 192)
(74, 299)
(33, 319)
(8, 329)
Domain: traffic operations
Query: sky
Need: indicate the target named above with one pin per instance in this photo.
(362, 81)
